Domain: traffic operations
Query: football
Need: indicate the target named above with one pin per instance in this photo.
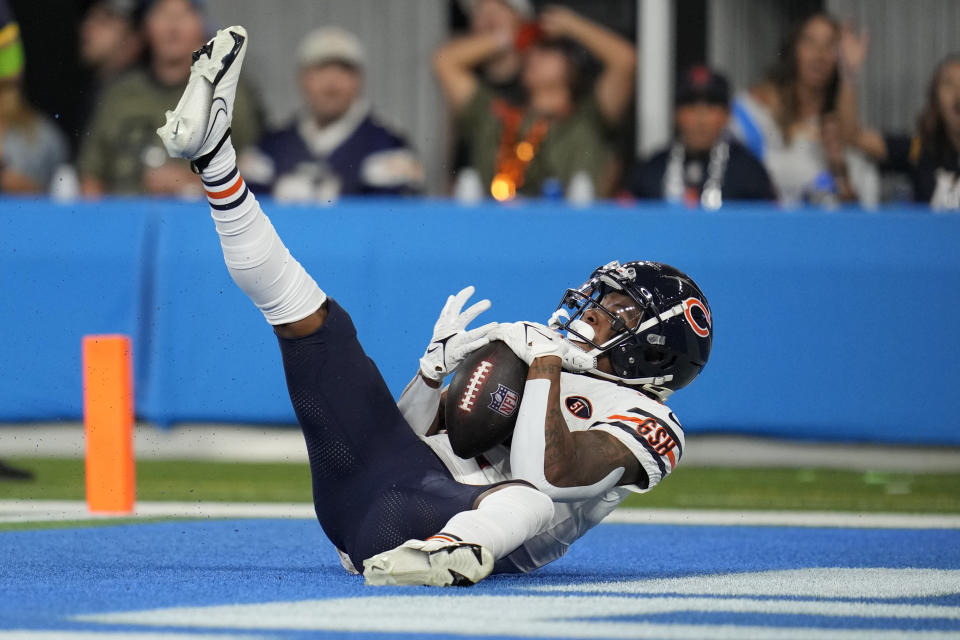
(483, 399)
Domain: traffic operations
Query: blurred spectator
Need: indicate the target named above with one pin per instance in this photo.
(562, 129)
(121, 152)
(31, 147)
(110, 43)
(703, 166)
(796, 120)
(510, 21)
(334, 146)
(932, 156)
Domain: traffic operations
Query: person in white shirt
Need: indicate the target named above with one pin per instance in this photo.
(798, 120)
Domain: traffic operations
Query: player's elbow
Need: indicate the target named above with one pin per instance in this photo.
(560, 475)
(543, 479)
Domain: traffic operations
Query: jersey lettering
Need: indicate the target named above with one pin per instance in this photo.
(647, 428)
(655, 435)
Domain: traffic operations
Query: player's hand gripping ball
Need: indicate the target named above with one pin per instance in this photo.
(483, 399)
(451, 342)
(531, 340)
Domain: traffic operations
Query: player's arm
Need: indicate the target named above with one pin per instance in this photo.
(451, 343)
(566, 466)
(582, 458)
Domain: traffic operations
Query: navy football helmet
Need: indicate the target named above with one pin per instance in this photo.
(662, 343)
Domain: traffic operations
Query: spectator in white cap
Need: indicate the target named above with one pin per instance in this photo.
(334, 146)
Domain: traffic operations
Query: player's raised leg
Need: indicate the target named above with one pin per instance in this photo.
(357, 439)
(198, 129)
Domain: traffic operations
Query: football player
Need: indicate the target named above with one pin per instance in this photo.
(588, 435)
(405, 508)
(382, 496)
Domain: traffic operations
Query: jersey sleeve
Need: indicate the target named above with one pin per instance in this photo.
(655, 440)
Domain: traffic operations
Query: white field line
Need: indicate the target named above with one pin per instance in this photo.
(539, 616)
(841, 519)
(53, 510)
(64, 634)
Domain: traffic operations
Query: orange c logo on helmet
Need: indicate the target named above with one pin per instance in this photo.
(688, 306)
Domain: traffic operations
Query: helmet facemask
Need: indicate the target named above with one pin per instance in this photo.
(634, 326)
(660, 343)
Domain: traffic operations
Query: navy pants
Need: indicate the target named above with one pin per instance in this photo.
(375, 483)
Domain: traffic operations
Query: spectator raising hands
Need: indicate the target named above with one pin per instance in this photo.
(614, 87)
(562, 128)
(782, 119)
(509, 21)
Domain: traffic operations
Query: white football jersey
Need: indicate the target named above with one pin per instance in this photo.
(646, 427)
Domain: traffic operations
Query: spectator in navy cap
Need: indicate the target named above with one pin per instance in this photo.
(703, 166)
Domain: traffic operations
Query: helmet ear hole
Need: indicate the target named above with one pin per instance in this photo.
(654, 356)
(662, 359)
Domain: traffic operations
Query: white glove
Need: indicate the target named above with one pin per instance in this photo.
(451, 342)
(531, 340)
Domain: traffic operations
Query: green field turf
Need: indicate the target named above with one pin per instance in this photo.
(692, 487)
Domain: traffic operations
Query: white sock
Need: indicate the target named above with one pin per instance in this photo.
(222, 163)
(255, 256)
(502, 521)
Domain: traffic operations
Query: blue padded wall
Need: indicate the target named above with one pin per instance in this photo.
(828, 325)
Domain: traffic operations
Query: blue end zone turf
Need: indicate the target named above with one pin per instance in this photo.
(619, 581)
